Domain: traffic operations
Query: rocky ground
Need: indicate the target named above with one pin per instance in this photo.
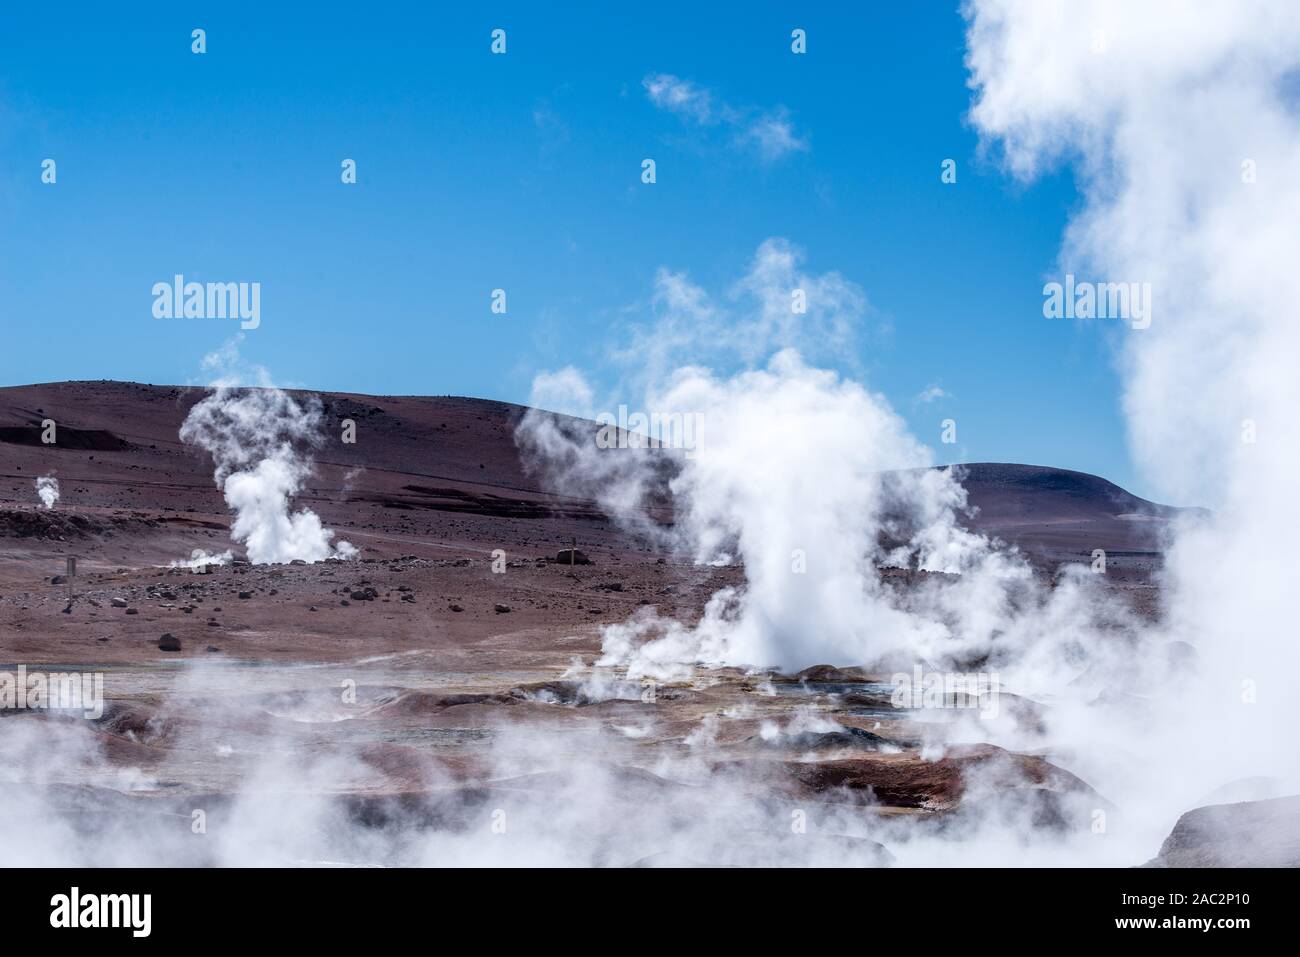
(403, 706)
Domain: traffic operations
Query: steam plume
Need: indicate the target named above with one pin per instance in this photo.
(808, 479)
(47, 489)
(1182, 127)
(258, 440)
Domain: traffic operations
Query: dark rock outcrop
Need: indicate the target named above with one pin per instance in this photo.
(1247, 834)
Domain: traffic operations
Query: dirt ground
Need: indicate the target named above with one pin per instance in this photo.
(454, 628)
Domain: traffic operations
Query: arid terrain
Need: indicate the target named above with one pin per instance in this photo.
(327, 712)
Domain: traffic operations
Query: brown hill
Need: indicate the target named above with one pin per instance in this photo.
(432, 471)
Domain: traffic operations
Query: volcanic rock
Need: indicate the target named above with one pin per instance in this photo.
(905, 779)
(829, 674)
(1247, 834)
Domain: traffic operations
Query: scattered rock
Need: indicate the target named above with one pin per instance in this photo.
(169, 642)
(501, 609)
(572, 556)
(118, 602)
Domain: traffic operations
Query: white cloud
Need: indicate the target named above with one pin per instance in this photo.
(774, 135)
(680, 96)
(932, 394)
(769, 132)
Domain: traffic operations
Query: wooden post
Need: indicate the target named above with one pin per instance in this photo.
(573, 553)
(72, 573)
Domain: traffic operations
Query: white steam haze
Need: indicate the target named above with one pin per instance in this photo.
(47, 490)
(1183, 127)
(1157, 109)
(804, 476)
(260, 440)
(288, 808)
(201, 558)
(811, 482)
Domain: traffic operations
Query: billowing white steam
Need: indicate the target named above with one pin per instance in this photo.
(1184, 128)
(47, 489)
(257, 438)
(806, 522)
(1160, 107)
(806, 478)
(201, 558)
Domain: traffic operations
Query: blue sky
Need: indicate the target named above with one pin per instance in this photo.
(522, 172)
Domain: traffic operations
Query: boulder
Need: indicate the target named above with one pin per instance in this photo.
(829, 674)
(1246, 834)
